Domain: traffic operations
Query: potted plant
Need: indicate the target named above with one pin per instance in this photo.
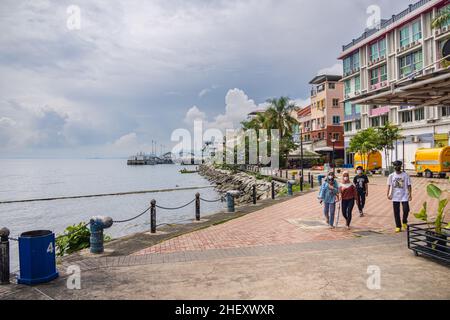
(437, 233)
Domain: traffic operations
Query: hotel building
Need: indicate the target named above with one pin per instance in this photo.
(403, 46)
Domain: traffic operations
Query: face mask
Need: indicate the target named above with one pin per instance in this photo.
(359, 171)
(331, 178)
(346, 179)
(398, 169)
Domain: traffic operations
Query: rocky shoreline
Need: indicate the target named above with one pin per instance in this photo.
(241, 181)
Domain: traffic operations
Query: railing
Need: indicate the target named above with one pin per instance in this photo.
(386, 23)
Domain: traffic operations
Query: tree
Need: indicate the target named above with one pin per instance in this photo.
(439, 21)
(365, 142)
(279, 117)
(387, 135)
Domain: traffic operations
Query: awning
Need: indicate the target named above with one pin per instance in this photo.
(306, 154)
(427, 90)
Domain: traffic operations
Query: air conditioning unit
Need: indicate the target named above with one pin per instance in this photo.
(437, 32)
(398, 50)
(445, 29)
(415, 139)
(357, 93)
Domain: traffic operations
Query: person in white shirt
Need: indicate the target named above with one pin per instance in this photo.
(400, 192)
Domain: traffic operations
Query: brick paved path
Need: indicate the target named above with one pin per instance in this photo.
(284, 223)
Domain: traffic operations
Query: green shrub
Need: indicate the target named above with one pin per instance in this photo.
(77, 239)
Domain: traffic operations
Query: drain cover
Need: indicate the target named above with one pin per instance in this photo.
(366, 233)
(308, 224)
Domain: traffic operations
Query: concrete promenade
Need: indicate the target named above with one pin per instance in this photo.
(283, 251)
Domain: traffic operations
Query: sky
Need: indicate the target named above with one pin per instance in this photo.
(103, 78)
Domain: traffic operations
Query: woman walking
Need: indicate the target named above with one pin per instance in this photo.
(349, 196)
(328, 195)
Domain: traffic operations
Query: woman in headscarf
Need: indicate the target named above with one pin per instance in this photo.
(329, 195)
(349, 196)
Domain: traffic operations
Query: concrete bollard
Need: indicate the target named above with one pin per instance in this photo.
(97, 225)
(230, 199)
(197, 206)
(153, 216)
(290, 183)
(4, 256)
(254, 194)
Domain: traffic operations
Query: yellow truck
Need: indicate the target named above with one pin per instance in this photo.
(432, 161)
(370, 162)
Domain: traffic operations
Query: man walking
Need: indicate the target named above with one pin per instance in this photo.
(400, 192)
(362, 187)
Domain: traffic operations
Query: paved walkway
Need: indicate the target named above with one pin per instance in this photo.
(316, 270)
(297, 221)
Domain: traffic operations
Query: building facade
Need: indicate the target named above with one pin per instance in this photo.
(321, 122)
(403, 46)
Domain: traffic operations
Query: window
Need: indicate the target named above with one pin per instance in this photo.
(332, 86)
(347, 126)
(378, 75)
(410, 33)
(335, 102)
(445, 111)
(358, 124)
(375, 122)
(336, 136)
(419, 114)
(404, 36)
(357, 83)
(348, 109)
(406, 116)
(410, 63)
(336, 120)
(348, 87)
(378, 50)
(358, 109)
(384, 119)
(417, 31)
(351, 63)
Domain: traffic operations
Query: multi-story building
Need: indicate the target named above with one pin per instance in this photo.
(321, 122)
(403, 46)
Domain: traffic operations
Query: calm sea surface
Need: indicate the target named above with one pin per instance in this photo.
(43, 178)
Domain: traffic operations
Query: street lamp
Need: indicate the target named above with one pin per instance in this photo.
(333, 141)
(301, 150)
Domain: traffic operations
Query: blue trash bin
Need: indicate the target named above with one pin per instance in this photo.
(37, 257)
(320, 177)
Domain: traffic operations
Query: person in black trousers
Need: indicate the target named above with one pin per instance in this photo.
(361, 183)
(348, 195)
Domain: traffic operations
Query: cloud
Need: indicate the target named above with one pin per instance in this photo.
(194, 114)
(128, 140)
(336, 69)
(204, 92)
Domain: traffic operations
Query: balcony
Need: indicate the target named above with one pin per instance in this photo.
(379, 111)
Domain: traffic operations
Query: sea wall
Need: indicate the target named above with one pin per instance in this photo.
(226, 180)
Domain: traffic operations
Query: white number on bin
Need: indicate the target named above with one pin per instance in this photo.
(50, 248)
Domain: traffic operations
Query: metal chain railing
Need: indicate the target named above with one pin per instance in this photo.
(131, 219)
(176, 208)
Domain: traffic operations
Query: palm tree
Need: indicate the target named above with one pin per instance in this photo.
(441, 18)
(279, 117)
(387, 135)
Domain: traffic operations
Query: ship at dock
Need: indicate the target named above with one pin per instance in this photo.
(143, 159)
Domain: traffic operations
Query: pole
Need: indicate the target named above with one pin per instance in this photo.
(332, 157)
(403, 155)
(254, 194)
(301, 184)
(4, 256)
(301, 150)
(273, 190)
(197, 206)
(153, 216)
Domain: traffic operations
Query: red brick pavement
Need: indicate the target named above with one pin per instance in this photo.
(273, 225)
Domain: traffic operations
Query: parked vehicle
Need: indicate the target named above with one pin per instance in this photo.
(370, 162)
(432, 161)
